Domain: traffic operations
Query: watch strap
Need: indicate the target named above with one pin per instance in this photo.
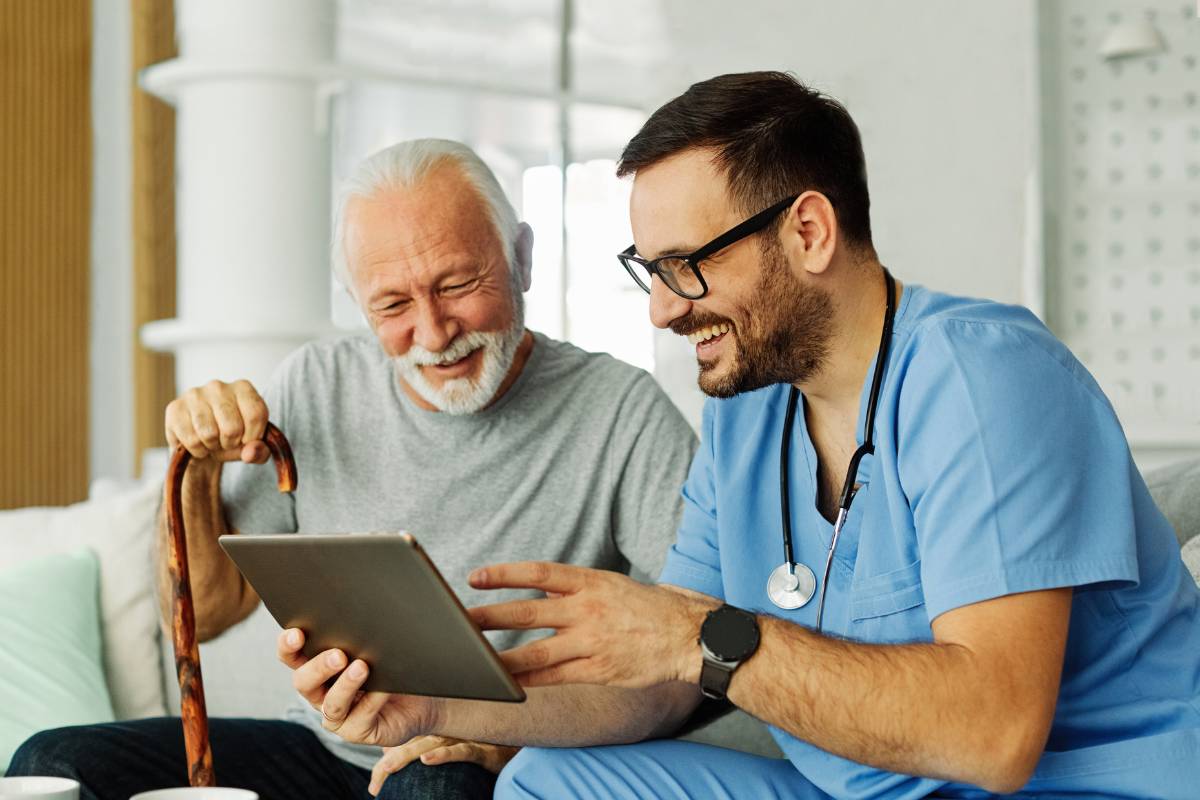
(715, 677)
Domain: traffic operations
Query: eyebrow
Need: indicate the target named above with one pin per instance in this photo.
(676, 250)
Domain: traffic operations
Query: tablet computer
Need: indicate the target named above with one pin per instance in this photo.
(378, 597)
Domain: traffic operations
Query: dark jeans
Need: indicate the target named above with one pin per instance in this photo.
(279, 760)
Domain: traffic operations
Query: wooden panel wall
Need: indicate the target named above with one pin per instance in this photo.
(153, 220)
(45, 201)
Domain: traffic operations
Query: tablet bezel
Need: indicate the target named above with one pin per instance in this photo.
(398, 593)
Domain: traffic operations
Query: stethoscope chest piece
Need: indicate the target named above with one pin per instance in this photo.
(789, 590)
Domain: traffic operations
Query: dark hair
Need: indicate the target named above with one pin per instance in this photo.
(773, 137)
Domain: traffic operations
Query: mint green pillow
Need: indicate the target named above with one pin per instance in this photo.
(50, 667)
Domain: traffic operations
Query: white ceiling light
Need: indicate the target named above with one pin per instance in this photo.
(1129, 39)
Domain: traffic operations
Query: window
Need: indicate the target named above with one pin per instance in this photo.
(599, 309)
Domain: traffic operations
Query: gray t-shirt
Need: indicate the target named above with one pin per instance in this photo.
(581, 461)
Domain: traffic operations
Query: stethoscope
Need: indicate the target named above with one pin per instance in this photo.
(792, 585)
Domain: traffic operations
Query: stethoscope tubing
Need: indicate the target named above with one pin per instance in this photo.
(867, 448)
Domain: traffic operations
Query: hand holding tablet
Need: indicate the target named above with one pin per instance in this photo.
(333, 688)
(379, 598)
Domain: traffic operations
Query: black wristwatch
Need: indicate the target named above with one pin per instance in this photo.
(728, 637)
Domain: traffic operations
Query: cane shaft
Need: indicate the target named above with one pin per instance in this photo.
(183, 616)
(183, 634)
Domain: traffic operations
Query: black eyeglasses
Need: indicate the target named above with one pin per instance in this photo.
(681, 271)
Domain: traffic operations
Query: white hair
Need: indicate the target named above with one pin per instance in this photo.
(402, 166)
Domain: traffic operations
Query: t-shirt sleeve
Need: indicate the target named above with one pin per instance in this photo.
(650, 472)
(693, 562)
(250, 495)
(1015, 467)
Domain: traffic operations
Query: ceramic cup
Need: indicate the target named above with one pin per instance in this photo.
(38, 789)
(197, 793)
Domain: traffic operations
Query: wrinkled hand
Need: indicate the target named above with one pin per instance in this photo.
(609, 629)
(435, 750)
(223, 420)
(363, 717)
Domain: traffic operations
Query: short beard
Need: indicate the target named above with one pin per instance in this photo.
(786, 338)
(466, 395)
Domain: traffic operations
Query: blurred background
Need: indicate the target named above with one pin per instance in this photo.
(166, 171)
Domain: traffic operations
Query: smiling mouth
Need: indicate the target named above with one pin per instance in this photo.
(710, 333)
(452, 364)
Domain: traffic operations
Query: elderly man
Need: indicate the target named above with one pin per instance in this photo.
(453, 421)
(971, 591)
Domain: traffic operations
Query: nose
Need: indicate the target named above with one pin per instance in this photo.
(665, 305)
(434, 330)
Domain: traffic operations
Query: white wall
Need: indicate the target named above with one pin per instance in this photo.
(1123, 203)
(945, 95)
(111, 341)
(944, 92)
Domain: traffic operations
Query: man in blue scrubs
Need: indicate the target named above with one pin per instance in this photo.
(1006, 610)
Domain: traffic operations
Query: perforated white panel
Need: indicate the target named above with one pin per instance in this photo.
(1123, 157)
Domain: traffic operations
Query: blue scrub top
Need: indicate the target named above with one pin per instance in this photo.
(999, 467)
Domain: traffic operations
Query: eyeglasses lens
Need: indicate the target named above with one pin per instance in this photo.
(678, 274)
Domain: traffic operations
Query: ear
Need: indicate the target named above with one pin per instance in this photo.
(523, 255)
(809, 232)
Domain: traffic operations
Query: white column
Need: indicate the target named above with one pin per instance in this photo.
(251, 89)
(110, 425)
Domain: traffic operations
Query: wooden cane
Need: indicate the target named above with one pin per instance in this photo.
(183, 617)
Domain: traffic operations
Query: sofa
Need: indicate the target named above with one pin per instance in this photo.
(131, 659)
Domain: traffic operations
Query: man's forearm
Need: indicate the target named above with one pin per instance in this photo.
(867, 703)
(918, 709)
(572, 716)
(219, 593)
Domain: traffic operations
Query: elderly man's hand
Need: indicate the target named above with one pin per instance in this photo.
(609, 629)
(363, 717)
(433, 750)
(224, 421)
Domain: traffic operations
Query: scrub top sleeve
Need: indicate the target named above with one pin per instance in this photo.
(694, 561)
(1015, 467)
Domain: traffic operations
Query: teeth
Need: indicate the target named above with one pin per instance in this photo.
(704, 334)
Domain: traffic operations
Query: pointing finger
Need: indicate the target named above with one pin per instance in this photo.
(544, 575)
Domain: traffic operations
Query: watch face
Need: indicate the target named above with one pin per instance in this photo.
(731, 634)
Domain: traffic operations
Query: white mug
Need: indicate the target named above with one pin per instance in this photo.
(197, 793)
(38, 789)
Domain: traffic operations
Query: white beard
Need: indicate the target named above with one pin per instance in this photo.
(464, 395)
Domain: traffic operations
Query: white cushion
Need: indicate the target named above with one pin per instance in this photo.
(242, 676)
(119, 528)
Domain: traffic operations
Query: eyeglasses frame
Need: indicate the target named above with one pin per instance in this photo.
(754, 224)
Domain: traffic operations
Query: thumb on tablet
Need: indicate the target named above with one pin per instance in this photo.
(289, 646)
